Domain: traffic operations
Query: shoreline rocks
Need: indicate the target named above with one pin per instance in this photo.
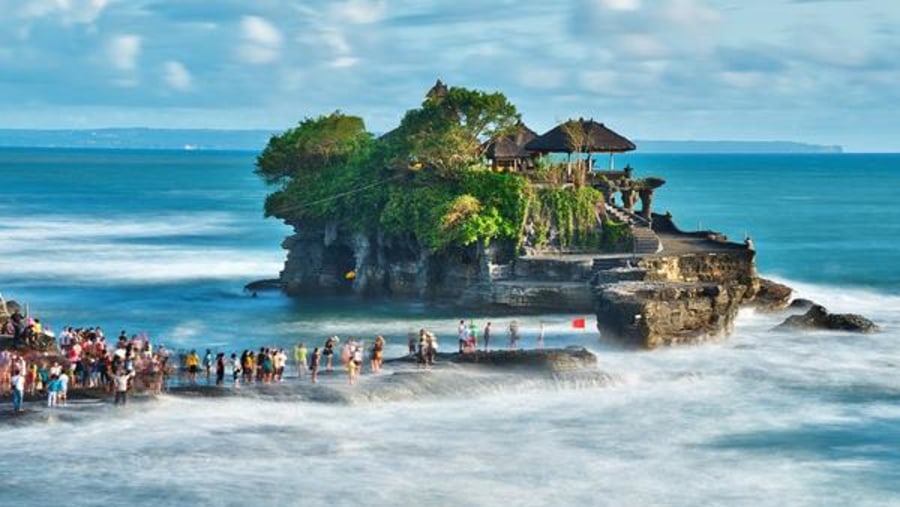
(818, 318)
(772, 296)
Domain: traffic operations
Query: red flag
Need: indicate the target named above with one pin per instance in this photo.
(578, 323)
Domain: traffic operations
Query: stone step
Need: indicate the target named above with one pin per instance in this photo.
(605, 263)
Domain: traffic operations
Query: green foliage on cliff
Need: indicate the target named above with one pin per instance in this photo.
(616, 237)
(570, 213)
(441, 212)
(425, 179)
(315, 145)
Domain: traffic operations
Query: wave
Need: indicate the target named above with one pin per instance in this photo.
(150, 264)
(52, 230)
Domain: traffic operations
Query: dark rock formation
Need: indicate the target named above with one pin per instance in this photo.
(801, 304)
(771, 296)
(818, 318)
(678, 299)
(333, 261)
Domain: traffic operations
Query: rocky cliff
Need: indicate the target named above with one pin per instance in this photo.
(330, 260)
(690, 291)
(675, 299)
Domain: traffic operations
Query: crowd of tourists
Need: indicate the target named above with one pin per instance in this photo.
(19, 327)
(86, 359)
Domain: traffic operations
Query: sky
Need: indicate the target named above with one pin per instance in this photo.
(819, 71)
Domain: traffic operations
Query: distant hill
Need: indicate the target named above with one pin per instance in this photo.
(743, 147)
(209, 139)
(138, 138)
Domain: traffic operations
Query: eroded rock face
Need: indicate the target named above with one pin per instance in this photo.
(771, 296)
(681, 299)
(653, 314)
(818, 318)
(328, 260)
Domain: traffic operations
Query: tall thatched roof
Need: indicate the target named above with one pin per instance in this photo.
(512, 145)
(438, 91)
(597, 138)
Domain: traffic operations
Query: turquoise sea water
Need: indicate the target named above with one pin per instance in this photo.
(163, 242)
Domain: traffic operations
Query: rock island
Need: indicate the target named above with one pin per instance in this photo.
(463, 204)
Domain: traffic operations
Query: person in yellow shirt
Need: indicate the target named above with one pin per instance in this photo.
(300, 355)
(192, 362)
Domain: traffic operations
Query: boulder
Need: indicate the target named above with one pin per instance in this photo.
(771, 296)
(801, 304)
(818, 318)
(654, 314)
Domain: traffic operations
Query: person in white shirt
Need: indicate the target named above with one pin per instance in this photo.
(17, 382)
(121, 379)
(63, 389)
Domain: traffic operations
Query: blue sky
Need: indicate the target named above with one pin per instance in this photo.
(823, 71)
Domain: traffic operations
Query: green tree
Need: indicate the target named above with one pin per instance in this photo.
(313, 146)
(448, 131)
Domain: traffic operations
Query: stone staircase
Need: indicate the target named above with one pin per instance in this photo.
(645, 240)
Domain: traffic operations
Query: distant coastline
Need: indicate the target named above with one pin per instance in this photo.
(255, 140)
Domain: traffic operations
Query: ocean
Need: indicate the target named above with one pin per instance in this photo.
(162, 242)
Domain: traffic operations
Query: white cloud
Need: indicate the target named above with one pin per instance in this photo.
(261, 41)
(344, 62)
(621, 5)
(691, 14)
(360, 12)
(541, 78)
(69, 11)
(176, 75)
(642, 45)
(123, 51)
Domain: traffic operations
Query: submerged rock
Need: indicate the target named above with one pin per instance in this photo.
(550, 360)
(818, 318)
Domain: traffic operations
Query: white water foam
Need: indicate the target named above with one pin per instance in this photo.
(131, 249)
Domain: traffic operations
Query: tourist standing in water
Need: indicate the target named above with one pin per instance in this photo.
(540, 338)
(53, 388)
(192, 361)
(17, 383)
(350, 366)
(236, 370)
(121, 380)
(411, 342)
(431, 345)
(208, 363)
(486, 335)
(300, 355)
(513, 335)
(357, 357)
(463, 335)
(377, 354)
(220, 368)
(329, 352)
(421, 351)
(314, 366)
(62, 397)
